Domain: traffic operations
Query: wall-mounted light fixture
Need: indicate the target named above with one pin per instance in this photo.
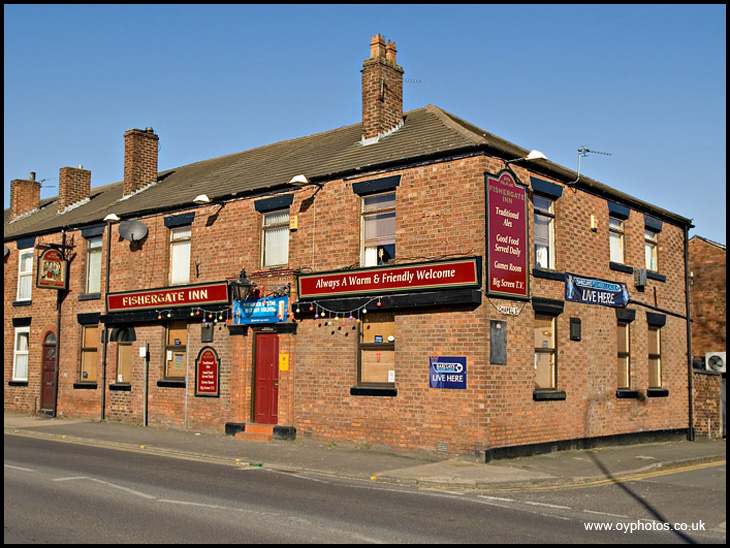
(532, 156)
(204, 199)
(242, 287)
(302, 181)
(112, 218)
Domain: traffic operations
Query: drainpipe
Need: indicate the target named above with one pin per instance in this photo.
(691, 430)
(106, 312)
(59, 301)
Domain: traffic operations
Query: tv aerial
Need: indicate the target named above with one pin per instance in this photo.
(584, 151)
(132, 231)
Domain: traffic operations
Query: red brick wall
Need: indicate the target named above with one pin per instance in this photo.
(708, 296)
(440, 211)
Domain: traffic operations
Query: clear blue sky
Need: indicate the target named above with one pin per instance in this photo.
(646, 83)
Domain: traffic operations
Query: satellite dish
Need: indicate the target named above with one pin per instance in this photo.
(133, 231)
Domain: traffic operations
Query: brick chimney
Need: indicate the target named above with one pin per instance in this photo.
(140, 159)
(74, 187)
(382, 90)
(25, 196)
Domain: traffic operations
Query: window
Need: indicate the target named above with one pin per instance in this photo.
(655, 357)
(650, 249)
(545, 352)
(180, 255)
(616, 239)
(176, 350)
(25, 274)
(377, 350)
(89, 353)
(544, 232)
(124, 356)
(623, 344)
(20, 357)
(275, 238)
(93, 265)
(378, 229)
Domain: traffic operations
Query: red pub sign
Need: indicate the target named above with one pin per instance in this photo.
(187, 295)
(52, 270)
(455, 273)
(207, 369)
(507, 249)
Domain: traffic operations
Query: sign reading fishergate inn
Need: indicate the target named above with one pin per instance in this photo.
(188, 295)
(456, 273)
(507, 250)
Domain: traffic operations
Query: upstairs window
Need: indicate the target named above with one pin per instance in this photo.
(544, 221)
(616, 239)
(655, 357)
(25, 274)
(378, 229)
(275, 238)
(651, 245)
(93, 265)
(180, 255)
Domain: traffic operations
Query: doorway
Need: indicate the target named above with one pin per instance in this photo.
(48, 374)
(266, 379)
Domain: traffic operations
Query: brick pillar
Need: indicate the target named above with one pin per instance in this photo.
(25, 196)
(140, 159)
(74, 186)
(382, 90)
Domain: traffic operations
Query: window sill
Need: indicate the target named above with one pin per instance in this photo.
(627, 393)
(547, 394)
(85, 385)
(22, 303)
(121, 387)
(548, 274)
(373, 391)
(171, 384)
(89, 297)
(620, 267)
(657, 393)
(17, 383)
(656, 276)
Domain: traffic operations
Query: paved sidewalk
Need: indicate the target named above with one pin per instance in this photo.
(417, 469)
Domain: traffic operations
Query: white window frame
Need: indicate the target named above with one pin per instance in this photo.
(651, 250)
(548, 217)
(93, 264)
(19, 353)
(372, 250)
(616, 240)
(25, 277)
(180, 251)
(275, 238)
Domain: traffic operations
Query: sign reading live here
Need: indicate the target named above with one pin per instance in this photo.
(455, 273)
(507, 262)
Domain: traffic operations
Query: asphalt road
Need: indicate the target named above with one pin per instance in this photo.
(65, 493)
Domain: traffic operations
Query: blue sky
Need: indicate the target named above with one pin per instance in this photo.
(645, 83)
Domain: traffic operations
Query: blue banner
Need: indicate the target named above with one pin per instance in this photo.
(256, 311)
(593, 291)
(447, 372)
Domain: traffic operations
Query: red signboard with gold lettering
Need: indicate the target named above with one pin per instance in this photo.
(507, 249)
(454, 273)
(169, 297)
(207, 369)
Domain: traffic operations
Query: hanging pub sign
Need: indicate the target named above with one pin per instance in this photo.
(52, 270)
(207, 373)
(454, 273)
(507, 249)
(258, 311)
(186, 295)
(593, 291)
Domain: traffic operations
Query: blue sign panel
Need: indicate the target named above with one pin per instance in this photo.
(447, 372)
(257, 311)
(592, 291)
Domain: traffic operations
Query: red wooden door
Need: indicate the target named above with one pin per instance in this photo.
(266, 398)
(48, 374)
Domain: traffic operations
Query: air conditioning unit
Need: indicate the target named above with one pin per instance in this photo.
(715, 361)
(640, 277)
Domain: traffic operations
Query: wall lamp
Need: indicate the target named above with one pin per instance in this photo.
(242, 287)
(204, 199)
(112, 218)
(302, 181)
(532, 156)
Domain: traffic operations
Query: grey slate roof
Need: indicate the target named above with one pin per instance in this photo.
(426, 134)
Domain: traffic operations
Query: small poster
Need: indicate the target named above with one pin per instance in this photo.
(447, 372)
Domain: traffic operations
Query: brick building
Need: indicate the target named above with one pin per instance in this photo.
(708, 305)
(410, 281)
